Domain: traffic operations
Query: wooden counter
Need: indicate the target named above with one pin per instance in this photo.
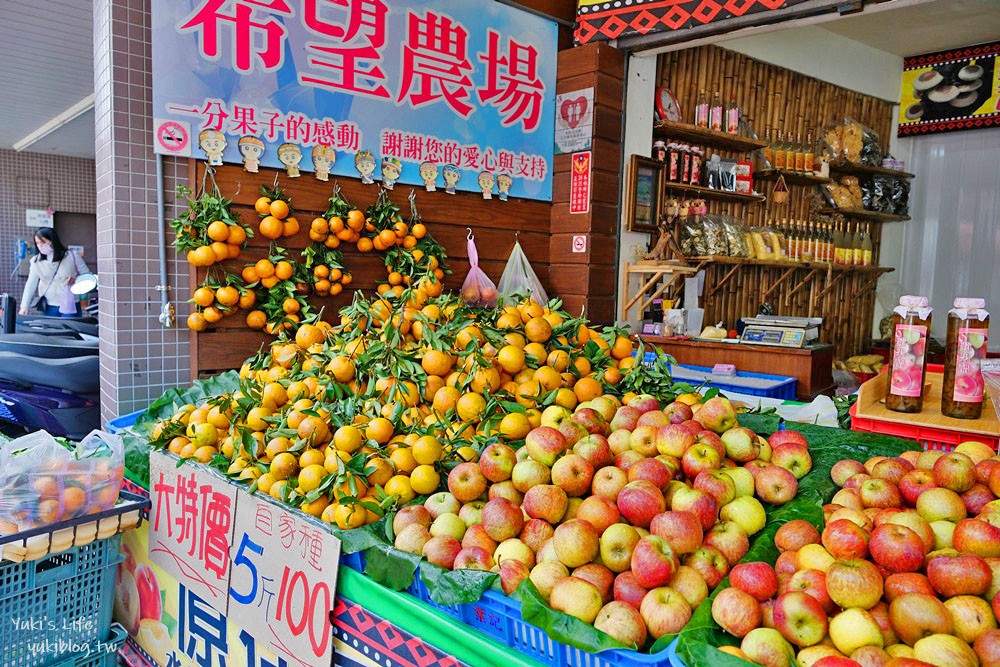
(811, 366)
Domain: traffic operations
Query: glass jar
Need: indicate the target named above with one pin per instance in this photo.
(968, 334)
(911, 325)
(659, 151)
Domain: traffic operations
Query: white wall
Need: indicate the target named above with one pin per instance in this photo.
(830, 57)
(640, 86)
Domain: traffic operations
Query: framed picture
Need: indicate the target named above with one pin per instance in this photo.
(642, 194)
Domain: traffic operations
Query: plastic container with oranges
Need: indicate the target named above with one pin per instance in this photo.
(43, 482)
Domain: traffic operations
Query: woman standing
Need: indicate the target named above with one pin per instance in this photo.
(53, 270)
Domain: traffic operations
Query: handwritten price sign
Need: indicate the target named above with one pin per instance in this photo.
(191, 527)
(283, 581)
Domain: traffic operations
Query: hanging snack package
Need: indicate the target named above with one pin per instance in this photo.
(478, 289)
(735, 238)
(43, 482)
(851, 141)
(715, 237)
(520, 279)
(900, 196)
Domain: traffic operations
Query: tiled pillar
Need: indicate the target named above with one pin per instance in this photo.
(139, 358)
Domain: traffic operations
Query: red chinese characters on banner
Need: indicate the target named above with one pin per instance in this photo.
(247, 120)
(579, 183)
(512, 82)
(414, 147)
(349, 58)
(191, 527)
(436, 63)
(258, 35)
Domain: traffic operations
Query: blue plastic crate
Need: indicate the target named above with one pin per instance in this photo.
(499, 617)
(65, 599)
(783, 387)
(123, 422)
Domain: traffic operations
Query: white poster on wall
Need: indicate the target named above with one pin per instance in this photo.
(39, 217)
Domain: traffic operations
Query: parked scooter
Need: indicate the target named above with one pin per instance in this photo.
(49, 373)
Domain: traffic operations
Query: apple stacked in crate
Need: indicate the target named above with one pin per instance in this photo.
(905, 573)
(624, 516)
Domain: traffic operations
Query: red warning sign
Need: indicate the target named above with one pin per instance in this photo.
(173, 137)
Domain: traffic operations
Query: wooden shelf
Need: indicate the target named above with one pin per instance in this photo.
(794, 177)
(703, 136)
(650, 274)
(710, 193)
(725, 259)
(864, 214)
(842, 167)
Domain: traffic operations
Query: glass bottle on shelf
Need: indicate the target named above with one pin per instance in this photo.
(965, 350)
(800, 153)
(733, 113)
(768, 151)
(859, 253)
(838, 246)
(807, 246)
(789, 151)
(809, 163)
(911, 325)
(793, 242)
(701, 109)
(867, 250)
(779, 150)
(715, 112)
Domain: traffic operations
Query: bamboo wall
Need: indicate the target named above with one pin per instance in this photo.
(777, 98)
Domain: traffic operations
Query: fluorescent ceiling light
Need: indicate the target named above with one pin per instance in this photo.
(81, 107)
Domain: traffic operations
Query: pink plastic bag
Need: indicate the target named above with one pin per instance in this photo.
(478, 289)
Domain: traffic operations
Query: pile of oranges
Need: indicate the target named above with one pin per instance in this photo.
(346, 421)
(276, 220)
(208, 232)
(273, 289)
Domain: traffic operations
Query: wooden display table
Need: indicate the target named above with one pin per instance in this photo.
(928, 425)
(811, 366)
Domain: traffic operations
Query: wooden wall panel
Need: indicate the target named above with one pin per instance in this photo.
(495, 223)
(778, 98)
(585, 281)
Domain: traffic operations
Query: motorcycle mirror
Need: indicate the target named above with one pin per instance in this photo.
(84, 284)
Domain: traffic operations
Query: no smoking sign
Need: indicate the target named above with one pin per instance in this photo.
(580, 243)
(172, 137)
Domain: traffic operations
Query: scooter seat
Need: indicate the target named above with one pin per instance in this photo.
(57, 326)
(38, 346)
(81, 375)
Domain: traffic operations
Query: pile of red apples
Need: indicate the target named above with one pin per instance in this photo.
(906, 572)
(624, 517)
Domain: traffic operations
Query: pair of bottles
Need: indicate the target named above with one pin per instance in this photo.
(790, 153)
(962, 389)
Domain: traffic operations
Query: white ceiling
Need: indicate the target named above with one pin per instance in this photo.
(923, 28)
(48, 66)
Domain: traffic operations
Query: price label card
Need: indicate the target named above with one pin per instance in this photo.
(283, 581)
(191, 527)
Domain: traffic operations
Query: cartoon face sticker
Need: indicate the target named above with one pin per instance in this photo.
(391, 168)
(452, 174)
(364, 162)
(252, 149)
(290, 156)
(213, 143)
(324, 157)
(429, 174)
(486, 183)
(504, 182)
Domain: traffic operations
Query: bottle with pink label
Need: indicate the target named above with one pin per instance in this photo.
(968, 335)
(911, 325)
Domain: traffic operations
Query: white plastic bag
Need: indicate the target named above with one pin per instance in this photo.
(42, 482)
(478, 289)
(68, 304)
(519, 278)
